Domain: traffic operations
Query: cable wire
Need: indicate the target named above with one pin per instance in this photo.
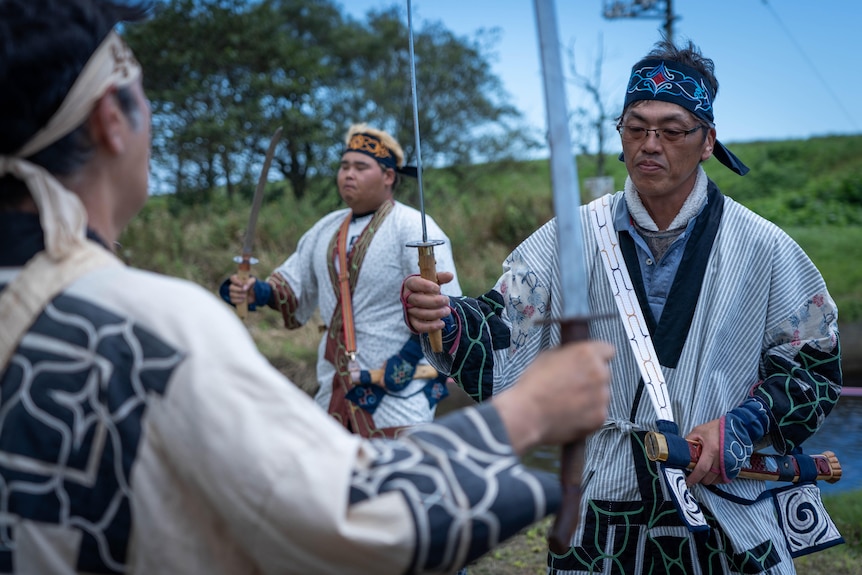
(812, 65)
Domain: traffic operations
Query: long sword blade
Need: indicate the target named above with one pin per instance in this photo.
(427, 263)
(574, 324)
(248, 240)
(564, 173)
(245, 260)
(417, 139)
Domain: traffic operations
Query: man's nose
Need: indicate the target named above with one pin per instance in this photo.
(652, 140)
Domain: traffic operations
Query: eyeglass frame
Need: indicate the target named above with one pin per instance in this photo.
(659, 133)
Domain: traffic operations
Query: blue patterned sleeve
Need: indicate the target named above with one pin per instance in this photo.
(466, 488)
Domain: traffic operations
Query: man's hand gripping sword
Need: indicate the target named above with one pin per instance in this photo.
(245, 261)
(678, 452)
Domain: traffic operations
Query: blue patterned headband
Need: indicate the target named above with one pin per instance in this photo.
(679, 84)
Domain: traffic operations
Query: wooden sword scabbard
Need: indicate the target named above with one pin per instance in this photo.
(762, 466)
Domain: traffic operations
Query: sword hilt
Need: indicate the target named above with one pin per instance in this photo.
(428, 271)
(243, 272)
(572, 461)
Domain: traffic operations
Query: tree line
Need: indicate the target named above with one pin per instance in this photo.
(221, 75)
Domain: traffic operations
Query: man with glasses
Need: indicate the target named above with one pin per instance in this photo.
(739, 317)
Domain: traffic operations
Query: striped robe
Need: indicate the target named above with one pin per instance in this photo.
(748, 313)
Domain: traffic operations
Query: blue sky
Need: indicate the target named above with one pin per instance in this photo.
(787, 69)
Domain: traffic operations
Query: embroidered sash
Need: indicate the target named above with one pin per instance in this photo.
(642, 346)
(340, 337)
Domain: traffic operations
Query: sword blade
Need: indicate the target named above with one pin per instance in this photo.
(248, 240)
(564, 174)
(574, 324)
(427, 262)
(417, 140)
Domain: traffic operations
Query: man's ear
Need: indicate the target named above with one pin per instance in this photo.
(388, 176)
(108, 123)
(709, 145)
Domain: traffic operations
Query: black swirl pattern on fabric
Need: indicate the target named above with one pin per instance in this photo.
(647, 536)
(800, 394)
(73, 400)
(481, 329)
(461, 479)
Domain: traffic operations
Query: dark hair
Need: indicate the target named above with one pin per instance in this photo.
(44, 45)
(690, 55)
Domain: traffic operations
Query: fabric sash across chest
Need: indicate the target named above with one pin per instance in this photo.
(344, 289)
(37, 284)
(643, 349)
(341, 345)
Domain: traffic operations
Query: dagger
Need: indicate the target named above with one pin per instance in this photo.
(427, 263)
(574, 323)
(245, 260)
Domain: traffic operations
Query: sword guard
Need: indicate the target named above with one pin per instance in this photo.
(245, 259)
(425, 244)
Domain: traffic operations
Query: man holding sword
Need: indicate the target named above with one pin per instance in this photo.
(349, 266)
(142, 438)
(740, 346)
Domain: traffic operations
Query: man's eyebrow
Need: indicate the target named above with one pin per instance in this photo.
(681, 116)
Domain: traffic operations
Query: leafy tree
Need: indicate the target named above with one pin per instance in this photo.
(591, 123)
(222, 74)
(464, 114)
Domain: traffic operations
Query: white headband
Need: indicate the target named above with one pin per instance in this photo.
(61, 213)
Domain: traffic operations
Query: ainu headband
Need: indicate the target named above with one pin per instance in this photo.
(61, 212)
(371, 146)
(668, 81)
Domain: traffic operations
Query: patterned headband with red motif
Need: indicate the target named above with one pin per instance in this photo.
(668, 81)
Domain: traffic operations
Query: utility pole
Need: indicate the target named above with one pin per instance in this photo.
(654, 9)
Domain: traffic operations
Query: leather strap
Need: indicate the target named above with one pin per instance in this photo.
(344, 289)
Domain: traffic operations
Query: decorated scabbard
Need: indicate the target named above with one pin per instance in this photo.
(678, 452)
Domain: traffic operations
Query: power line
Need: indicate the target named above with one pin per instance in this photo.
(814, 68)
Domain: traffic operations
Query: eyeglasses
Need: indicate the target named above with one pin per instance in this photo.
(637, 134)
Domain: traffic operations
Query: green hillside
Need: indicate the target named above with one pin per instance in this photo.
(811, 188)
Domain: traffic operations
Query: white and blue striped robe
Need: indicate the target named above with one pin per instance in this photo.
(761, 321)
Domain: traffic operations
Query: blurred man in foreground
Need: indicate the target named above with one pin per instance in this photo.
(149, 438)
